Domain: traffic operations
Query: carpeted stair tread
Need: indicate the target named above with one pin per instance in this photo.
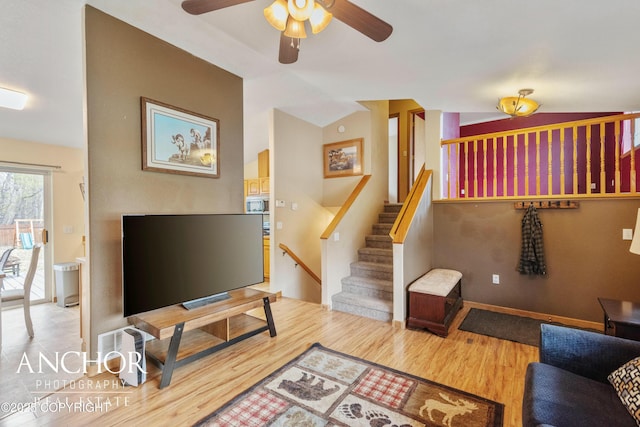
(370, 283)
(373, 308)
(378, 241)
(392, 207)
(381, 229)
(368, 291)
(373, 270)
(377, 288)
(379, 255)
(387, 217)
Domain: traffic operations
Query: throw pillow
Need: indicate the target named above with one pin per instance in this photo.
(626, 381)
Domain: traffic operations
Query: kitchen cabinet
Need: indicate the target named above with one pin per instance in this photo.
(264, 186)
(253, 187)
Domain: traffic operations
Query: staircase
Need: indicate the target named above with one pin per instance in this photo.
(368, 291)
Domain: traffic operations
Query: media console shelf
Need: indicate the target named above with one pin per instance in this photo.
(183, 336)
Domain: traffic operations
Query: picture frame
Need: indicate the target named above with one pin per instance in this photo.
(175, 140)
(343, 158)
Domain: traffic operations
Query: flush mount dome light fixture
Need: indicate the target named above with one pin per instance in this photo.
(518, 106)
(12, 99)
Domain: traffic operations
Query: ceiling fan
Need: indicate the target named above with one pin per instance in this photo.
(289, 17)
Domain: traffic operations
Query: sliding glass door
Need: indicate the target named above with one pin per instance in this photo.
(25, 217)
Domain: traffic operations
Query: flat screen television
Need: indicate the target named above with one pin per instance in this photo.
(188, 259)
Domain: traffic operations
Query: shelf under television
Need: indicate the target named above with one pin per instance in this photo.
(183, 336)
(196, 341)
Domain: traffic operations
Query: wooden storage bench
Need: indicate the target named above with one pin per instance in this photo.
(434, 300)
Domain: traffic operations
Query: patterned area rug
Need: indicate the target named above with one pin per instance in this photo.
(322, 387)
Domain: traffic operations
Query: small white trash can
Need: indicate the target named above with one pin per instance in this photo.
(67, 283)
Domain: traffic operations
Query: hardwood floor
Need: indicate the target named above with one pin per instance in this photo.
(485, 366)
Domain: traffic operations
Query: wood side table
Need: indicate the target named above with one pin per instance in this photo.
(621, 318)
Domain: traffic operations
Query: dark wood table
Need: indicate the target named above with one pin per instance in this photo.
(621, 318)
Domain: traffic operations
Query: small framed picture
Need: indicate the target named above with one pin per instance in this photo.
(179, 141)
(343, 158)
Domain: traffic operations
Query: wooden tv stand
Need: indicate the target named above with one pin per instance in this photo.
(203, 330)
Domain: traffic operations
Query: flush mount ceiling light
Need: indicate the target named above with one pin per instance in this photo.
(12, 99)
(518, 106)
(291, 16)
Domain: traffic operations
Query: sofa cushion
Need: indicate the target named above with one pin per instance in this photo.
(626, 382)
(557, 397)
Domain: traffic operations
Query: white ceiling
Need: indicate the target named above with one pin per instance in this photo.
(449, 55)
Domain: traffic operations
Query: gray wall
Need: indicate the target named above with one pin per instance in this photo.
(123, 64)
(586, 256)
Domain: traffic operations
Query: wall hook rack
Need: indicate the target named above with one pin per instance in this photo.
(548, 204)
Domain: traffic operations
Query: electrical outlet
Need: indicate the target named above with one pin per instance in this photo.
(495, 279)
(627, 234)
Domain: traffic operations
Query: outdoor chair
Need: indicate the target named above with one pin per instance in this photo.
(24, 294)
(3, 260)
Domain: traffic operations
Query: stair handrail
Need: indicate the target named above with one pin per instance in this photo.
(401, 225)
(299, 262)
(345, 207)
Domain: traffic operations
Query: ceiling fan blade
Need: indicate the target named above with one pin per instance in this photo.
(197, 7)
(289, 48)
(360, 20)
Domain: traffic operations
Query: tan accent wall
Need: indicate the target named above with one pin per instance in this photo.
(585, 255)
(123, 64)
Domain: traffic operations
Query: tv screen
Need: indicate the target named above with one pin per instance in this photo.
(173, 259)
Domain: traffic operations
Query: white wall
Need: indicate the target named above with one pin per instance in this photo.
(433, 135)
(356, 125)
(296, 178)
(413, 258)
(251, 170)
(393, 160)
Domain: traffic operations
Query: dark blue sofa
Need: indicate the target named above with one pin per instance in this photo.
(569, 386)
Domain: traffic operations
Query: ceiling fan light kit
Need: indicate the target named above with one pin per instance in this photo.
(289, 17)
(518, 106)
(295, 29)
(319, 19)
(301, 10)
(277, 15)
